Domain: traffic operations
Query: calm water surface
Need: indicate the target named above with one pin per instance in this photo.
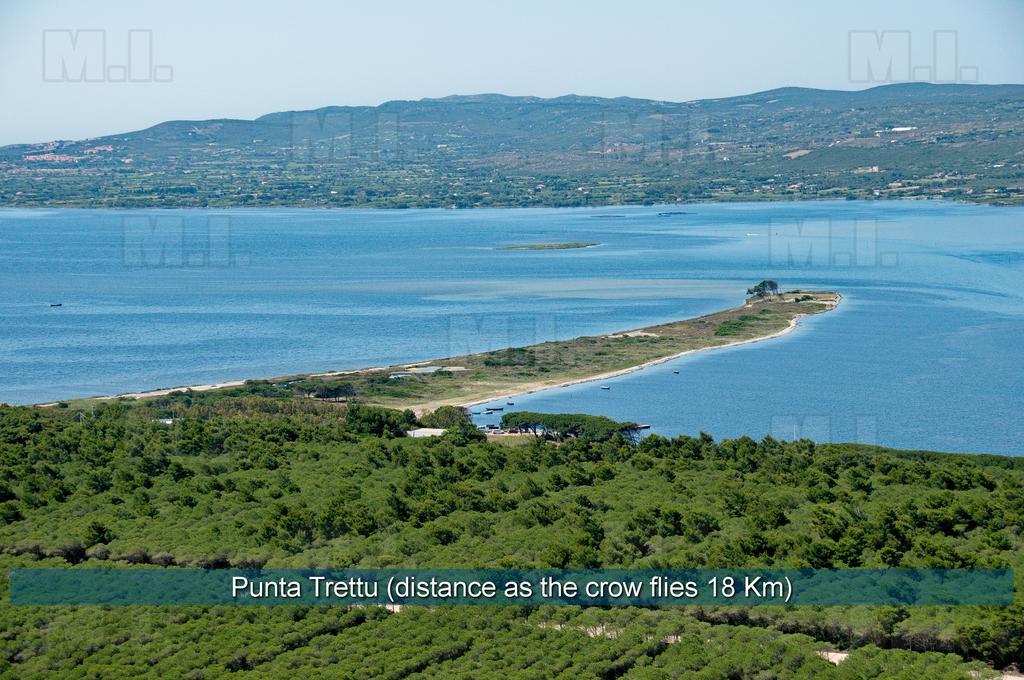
(926, 351)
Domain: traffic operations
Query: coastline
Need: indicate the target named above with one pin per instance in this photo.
(794, 323)
(498, 394)
(164, 391)
(981, 200)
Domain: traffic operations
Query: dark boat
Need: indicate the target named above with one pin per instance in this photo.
(676, 372)
(605, 387)
(56, 304)
(510, 403)
(496, 408)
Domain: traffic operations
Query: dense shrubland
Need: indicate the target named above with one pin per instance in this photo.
(244, 481)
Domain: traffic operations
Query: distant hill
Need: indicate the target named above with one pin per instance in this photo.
(955, 141)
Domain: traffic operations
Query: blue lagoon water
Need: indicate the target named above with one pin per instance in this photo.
(926, 351)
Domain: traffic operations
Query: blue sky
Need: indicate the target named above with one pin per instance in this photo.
(244, 59)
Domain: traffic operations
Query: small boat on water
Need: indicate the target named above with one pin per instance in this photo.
(56, 304)
(605, 387)
(510, 403)
(676, 372)
(495, 408)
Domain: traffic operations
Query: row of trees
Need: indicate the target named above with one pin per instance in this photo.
(561, 426)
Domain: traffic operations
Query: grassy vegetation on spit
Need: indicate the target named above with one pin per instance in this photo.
(480, 377)
(510, 371)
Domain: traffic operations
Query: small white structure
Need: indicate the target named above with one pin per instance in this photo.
(426, 432)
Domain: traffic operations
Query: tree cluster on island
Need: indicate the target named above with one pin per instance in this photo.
(765, 289)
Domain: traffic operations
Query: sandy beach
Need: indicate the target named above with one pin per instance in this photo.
(794, 323)
(164, 391)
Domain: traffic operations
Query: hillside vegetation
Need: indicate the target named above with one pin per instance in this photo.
(245, 481)
(961, 142)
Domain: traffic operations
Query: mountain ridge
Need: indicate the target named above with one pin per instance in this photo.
(496, 97)
(958, 141)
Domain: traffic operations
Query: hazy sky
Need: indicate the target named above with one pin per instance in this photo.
(244, 59)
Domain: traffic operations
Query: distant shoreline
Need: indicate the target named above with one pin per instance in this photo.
(982, 201)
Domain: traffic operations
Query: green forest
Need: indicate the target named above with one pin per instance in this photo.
(232, 480)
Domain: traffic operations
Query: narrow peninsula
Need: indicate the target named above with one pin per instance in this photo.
(477, 378)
